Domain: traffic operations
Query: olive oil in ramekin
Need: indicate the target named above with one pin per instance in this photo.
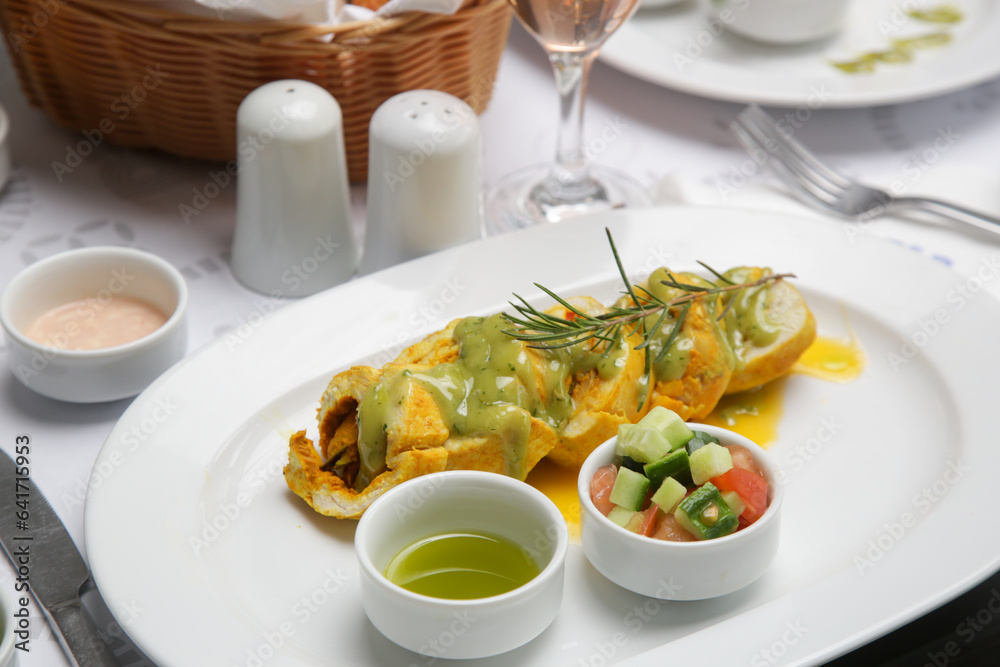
(462, 565)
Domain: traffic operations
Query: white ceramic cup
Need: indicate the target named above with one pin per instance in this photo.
(454, 501)
(92, 376)
(780, 21)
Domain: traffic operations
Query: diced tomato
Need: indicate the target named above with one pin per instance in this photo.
(742, 458)
(600, 488)
(668, 529)
(649, 524)
(751, 487)
(647, 501)
(644, 522)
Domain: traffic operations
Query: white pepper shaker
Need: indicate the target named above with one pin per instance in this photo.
(424, 177)
(293, 225)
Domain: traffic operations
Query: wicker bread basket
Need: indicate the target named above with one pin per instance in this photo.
(152, 78)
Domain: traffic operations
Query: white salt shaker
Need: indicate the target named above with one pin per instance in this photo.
(293, 225)
(424, 177)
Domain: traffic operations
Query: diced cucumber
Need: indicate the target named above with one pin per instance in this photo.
(699, 440)
(631, 464)
(708, 462)
(669, 424)
(641, 443)
(629, 490)
(670, 493)
(734, 501)
(620, 515)
(706, 515)
(676, 464)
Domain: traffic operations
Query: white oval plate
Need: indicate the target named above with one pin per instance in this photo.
(890, 477)
(678, 47)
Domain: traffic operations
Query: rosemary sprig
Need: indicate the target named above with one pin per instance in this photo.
(548, 332)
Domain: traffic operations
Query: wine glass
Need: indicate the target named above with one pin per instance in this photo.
(571, 32)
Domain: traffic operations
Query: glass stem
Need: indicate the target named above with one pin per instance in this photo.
(569, 180)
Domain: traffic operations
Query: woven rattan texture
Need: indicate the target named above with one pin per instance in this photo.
(140, 76)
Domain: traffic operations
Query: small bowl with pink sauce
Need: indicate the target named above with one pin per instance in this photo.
(94, 324)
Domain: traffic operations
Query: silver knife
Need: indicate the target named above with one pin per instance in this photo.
(39, 543)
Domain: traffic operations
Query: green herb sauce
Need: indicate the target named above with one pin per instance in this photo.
(674, 362)
(903, 50)
(498, 384)
(746, 322)
(939, 14)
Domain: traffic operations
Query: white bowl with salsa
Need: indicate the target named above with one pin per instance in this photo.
(693, 569)
(502, 539)
(94, 324)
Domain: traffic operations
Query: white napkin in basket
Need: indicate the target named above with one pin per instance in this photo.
(325, 12)
(357, 13)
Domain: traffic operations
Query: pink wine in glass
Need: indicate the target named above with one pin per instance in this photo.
(572, 25)
(571, 32)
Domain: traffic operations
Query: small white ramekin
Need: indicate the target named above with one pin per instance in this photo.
(93, 376)
(453, 501)
(680, 570)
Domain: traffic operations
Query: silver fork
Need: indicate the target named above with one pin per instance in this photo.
(817, 185)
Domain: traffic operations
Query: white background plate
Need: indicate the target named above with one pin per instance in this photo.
(199, 454)
(677, 47)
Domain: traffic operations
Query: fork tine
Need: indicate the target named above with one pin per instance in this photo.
(792, 181)
(770, 129)
(813, 184)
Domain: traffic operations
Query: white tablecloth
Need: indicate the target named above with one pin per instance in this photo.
(677, 144)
